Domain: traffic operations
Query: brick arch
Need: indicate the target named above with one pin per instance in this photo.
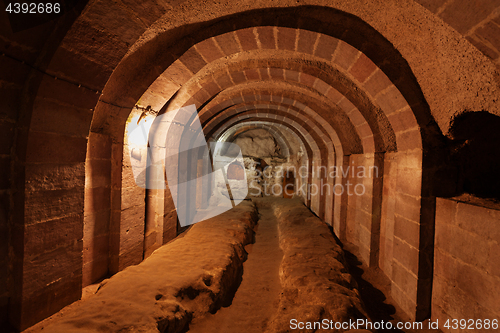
(316, 148)
(323, 145)
(319, 202)
(270, 111)
(180, 71)
(191, 61)
(277, 130)
(353, 113)
(312, 106)
(371, 119)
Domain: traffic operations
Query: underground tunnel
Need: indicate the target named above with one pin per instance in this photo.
(250, 166)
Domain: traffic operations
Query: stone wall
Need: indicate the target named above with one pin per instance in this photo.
(97, 209)
(467, 261)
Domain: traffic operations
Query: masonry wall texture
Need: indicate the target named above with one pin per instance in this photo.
(466, 261)
(411, 87)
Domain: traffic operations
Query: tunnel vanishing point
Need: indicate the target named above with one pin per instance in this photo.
(381, 117)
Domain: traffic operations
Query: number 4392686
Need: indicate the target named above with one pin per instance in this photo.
(33, 8)
(471, 324)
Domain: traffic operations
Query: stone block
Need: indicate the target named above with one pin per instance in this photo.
(97, 199)
(479, 286)
(67, 93)
(76, 67)
(463, 15)
(178, 73)
(132, 255)
(252, 74)
(94, 271)
(266, 37)
(408, 206)
(362, 68)
(377, 83)
(286, 38)
(247, 39)
(46, 266)
(49, 300)
(409, 182)
(98, 174)
(404, 302)
(48, 235)
(209, 50)
(48, 205)
(238, 77)
(201, 96)
(292, 75)
(55, 148)
(132, 196)
(481, 221)
(54, 176)
(345, 55)
(96, 223)
(99, 146)
(306, 42)
(193, 60)
(224, 81)
(391, 100)
(227, 43)
(407, 255)
(460, 244)
(211, 88)
(409, 140)
(326, 47)
(407, 230)
(95, 248)
(132, 216)
(405, 280)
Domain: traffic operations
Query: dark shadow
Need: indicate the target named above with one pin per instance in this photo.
(374, 299)
(476, 152)
(7, 328)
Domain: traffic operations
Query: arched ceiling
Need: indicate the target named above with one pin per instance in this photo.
(379, 77)
(323, 85)
(333, 23)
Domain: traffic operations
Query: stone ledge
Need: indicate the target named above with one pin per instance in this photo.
(185, 278)
(316, 283)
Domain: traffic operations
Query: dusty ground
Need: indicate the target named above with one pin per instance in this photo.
(186, 278)
(294, 268)
(315, 280)
(257, 297)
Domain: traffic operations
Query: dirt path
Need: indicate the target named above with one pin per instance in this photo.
(256, 299)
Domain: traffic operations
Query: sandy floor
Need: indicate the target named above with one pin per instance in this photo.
(293, 269)
(257, 298)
